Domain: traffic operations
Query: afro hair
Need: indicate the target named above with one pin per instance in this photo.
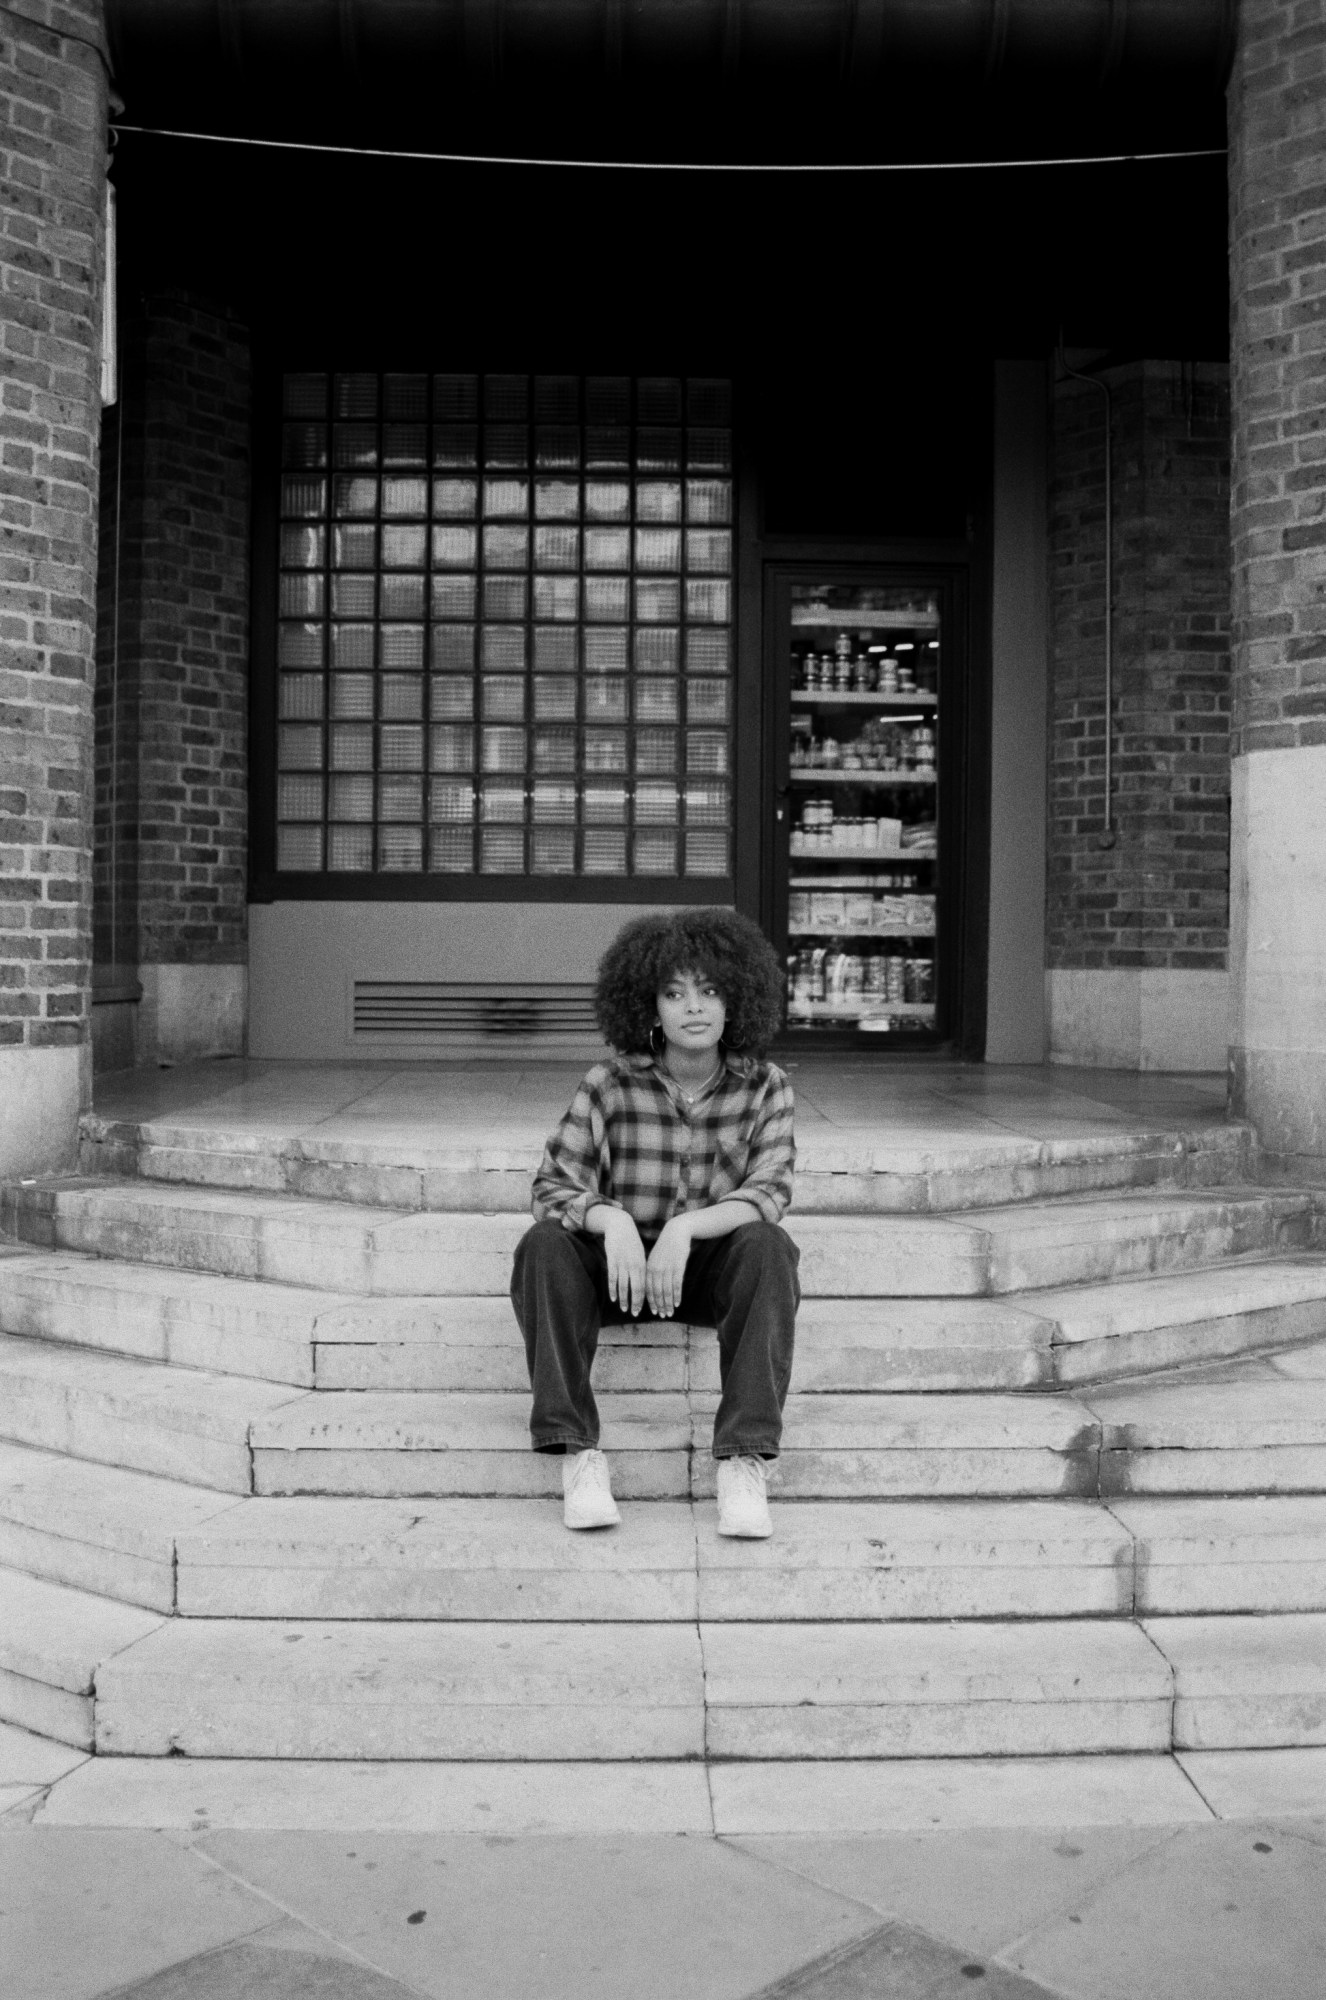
(708, 943)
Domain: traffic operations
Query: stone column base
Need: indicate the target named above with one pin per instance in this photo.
(41, 1094)
(1277, 955)
(1143, 1019)
(188, 1012)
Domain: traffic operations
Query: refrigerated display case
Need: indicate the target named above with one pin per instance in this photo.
(859, 856)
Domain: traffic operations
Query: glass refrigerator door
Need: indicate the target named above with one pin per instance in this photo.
(861, 811)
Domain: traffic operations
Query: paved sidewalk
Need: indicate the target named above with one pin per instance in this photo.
(1125, 1878)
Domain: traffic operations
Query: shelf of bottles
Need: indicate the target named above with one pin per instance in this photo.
(863, 788)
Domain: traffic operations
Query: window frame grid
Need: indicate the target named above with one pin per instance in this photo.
(687, 731)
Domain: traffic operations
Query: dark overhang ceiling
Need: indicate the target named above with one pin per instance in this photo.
(777, 81)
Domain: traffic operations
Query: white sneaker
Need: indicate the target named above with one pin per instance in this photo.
(587, 1500)
(743, 1506)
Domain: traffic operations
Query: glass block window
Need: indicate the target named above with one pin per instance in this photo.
(505, 642)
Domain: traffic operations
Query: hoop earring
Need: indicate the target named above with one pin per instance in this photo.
(657, 1054)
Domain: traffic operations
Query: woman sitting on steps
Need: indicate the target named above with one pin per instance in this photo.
(661, 1192)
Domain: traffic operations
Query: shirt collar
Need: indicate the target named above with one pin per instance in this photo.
(735, 1064)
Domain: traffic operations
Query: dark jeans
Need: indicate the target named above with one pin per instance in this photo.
(744, 1284)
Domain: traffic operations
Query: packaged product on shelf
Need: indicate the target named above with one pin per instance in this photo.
(920, 836)
(920, 980)
(798, 910)
(844, 977)
(925, 911)
(826, 909)
(858, 907)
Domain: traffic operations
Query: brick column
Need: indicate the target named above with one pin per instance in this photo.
(1277, 172)
(53, 95)
(1136, 931)
(172, 690)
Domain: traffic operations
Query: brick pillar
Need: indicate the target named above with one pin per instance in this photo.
(53, 94)
(1277, 172)
(172, 792)
(1136, 931)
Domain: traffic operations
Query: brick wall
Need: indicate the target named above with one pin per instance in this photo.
(172, 801)
(52, 171)
(1277, 178)
(1159, 897)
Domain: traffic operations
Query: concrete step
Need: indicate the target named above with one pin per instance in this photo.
(105, 1675)
(489, 1559)
(385, 1443)
(512, 1559)
(1254, 1553)
(1248, 1429)
(223, 1688)
(287, 1333)
(1246, 1683)
(1035, 1339)
(178, 1423)
(1106, 1238)
(168, 1546)
(364, 1251)
(887, 1345)
(53, 1644)
(328, 1246)
(838, 1172)
(1030, 1689)
(905, 1446)
(469, 1343)
(98, 1527)
(835, 1446)
(335, 1340)
(1252, 1427)
(1134, 1325)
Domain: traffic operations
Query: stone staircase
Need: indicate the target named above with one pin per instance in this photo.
(1054, 1475)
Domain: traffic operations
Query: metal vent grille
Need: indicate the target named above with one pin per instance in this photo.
(455, 1013)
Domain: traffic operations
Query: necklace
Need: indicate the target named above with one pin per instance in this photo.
(691, 1095)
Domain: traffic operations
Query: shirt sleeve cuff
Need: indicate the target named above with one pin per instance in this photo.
(769, 1205)
(575, 1213)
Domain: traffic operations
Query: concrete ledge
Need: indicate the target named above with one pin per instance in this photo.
(1143, 1019)
(191, 1011)
(40, 1095)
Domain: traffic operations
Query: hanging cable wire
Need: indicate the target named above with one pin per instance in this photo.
(674, 166)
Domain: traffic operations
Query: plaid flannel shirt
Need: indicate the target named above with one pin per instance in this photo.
(630, 1139)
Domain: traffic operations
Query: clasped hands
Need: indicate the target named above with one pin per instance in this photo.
(635, 1280)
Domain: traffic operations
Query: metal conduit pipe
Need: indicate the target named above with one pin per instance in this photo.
(206, 47)
(1107, 836)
